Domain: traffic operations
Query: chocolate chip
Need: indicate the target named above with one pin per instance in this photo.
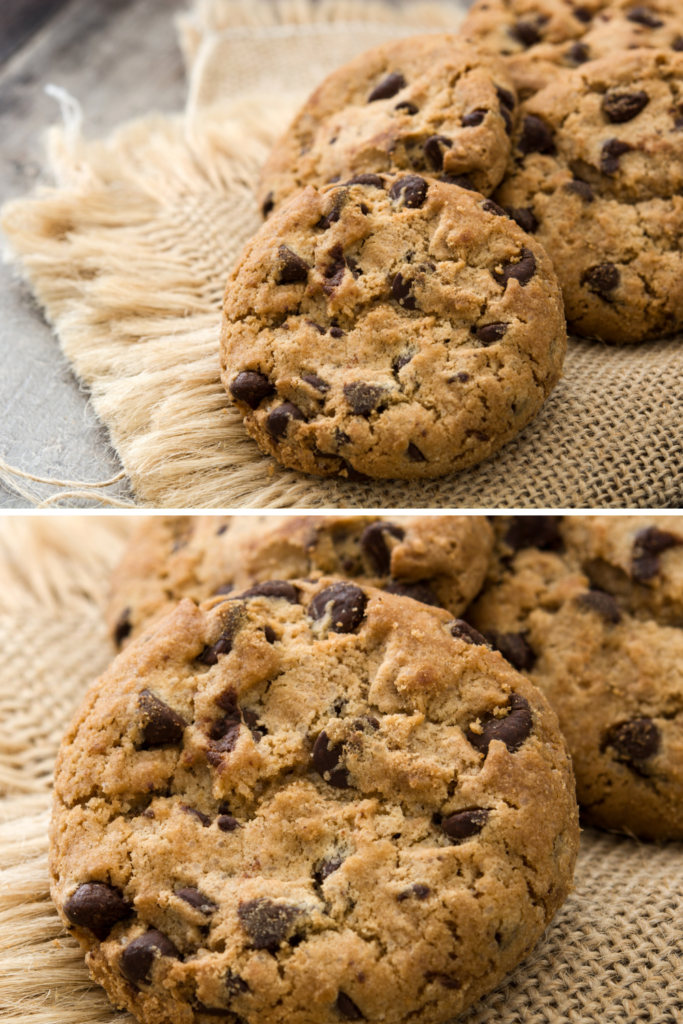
(138, 956)
(462, 630)
(348, 1008)
(409, 108)
(677, 44)
(327, 221)
(624, 106)
(580, 188)
(234, 984)
(318, 328)
(505, 97)
(251, 388)
(273, 588)
(414, 453)
(494, 208)
(474, 118)
(374, 546)
(316, 382)
(202, 818)
(419, 891)
(410, 191)
(602, 279)
(465, 824)
(433, 151)
(578, 53)
(266, 923)
(223, 645)
(373, 180)
(123, 627)
(268, 204)
(525, 32)
(417, 591)
(160, 723)
(533, 531)
(346, 608)
(512, 731)
(227, 823)
(223, 744)
(327, 868)
(489, 334)
(280, 417)
(634, 741)
(363, 398)
(644, 16)
(400, 289)
(292, 268)
(197, 900)
(336, 332)
(461, 377)
(609, 157)
(521, 271)
(270, 634)
(96, 906)
(213, 1011)
(524, 216)
(227, 700)
(513, 647)
(583, 14)
(388, 87)
(505, 114)
(649, 543)
(536, 136)
(602, 603)
(401, 361)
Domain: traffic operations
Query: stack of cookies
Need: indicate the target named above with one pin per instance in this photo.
(433, 210)
(328, 777)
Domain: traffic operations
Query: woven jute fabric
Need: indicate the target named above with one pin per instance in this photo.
(613, 953)
(128, 255)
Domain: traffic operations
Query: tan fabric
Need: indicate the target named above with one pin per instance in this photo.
(129, 257)
(613, 953)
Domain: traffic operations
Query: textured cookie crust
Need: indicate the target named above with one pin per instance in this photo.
(312, 809)
(598, 165)
(441, 560)
(613, 677)
(428, 104)
(402, 329)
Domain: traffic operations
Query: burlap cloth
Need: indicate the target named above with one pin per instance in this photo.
(613, 953)
(128, 255)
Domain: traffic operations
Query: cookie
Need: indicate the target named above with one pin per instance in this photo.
(429, 104)
(597, 172)
(610, 670)
(438, 560)
(329, 805)
(394, 327)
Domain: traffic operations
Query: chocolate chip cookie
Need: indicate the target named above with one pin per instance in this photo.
(438, 560)
(429, 104)
(392, 326)
(597, 174)
(608, 664)
(320, 805)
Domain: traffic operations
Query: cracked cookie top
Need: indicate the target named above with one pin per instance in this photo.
(325, 804)
(391, 326)
(440, 561)
(429, 104)
(597, 172)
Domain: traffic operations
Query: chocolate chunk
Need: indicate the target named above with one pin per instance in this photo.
(602, 603)
(580, 188)
(419, 891)
(536, 136)
(400, 289)
(634, 741)
(223, 645)
(97, 906)
(291, 267)
(461, 180)
(649, 543)
(160, 723)
(494, 208)
(474, 118)
(316, 382)
(273, 588)
(279, 419)
(462, 630)
(534, 532)
(411, 191)
(374, 546)
(525, 32)
(348, 1008)
(123, 627)
(521, 271)
(327, 868)
(513, 647)
(363, 398)
(251, 388)
(388, 87)
(409, 108)
(524, 216)
(489, 334)
(417, 591)
(505, 114)
(578, 53)
(583, 14)
(433, 151)
(138, 956)
(602, 279)
(644, 16)
(465, 824)
(268, 205)
(202, 818)
(227, 823)
(267, 923)
(346, 606)
(197, 900)
(624, 106)
(609, 157)
(512, 731)
(336, 332)
(414, 453)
